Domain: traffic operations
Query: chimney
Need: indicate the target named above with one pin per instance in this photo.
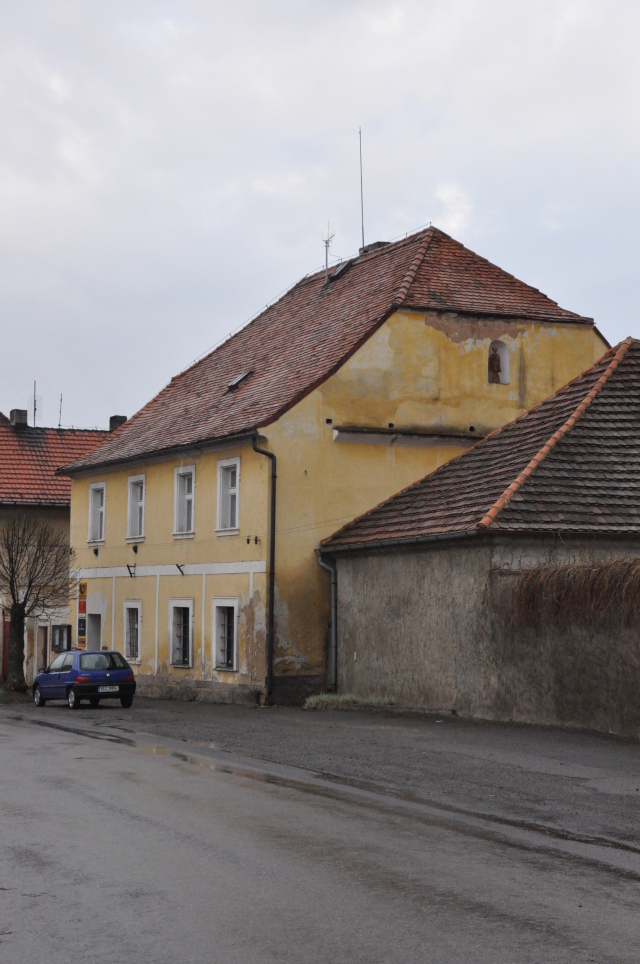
(115, 421)
(18, 416)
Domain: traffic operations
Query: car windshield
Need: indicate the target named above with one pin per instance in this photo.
(102, 661)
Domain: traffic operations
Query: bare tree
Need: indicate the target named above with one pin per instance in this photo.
(35, 575)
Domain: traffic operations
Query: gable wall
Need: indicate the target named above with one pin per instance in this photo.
(419, 372)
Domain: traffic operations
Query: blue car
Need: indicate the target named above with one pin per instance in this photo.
(77, 676)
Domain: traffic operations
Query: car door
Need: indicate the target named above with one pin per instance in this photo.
(66, 676)
(49, 683)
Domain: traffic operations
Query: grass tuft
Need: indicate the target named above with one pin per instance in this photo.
(335, 701)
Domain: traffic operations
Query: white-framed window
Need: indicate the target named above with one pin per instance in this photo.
(135, 513)
(132, 612)
(97, 501)
(181, 631)
(184, 486)
(228, 497)
(60, 638)
(224, 633)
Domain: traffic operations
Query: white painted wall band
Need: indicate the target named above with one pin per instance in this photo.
(189, 569)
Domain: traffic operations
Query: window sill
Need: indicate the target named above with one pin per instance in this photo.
(227, 532)
(133, 662)
(225, 669)
(95, 542)
(183, 535)
(130, 539)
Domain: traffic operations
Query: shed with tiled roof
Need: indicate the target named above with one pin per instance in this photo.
(428, 581)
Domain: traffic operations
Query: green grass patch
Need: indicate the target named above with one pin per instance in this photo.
(337, 701)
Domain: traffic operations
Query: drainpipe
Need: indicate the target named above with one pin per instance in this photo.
(272, 564)
(333, 658)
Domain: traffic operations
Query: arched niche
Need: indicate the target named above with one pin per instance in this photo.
(498, 377)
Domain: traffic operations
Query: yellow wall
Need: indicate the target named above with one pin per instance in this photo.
(418, 372)
(107, 594)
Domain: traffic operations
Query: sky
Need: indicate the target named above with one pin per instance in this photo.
(168, 168)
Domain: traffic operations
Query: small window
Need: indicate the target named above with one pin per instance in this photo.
(228, 496)
(132, 621)
(60, 638)
(225, 621)
(184, 497)
(96, 512)
(180, 630)
(498, 365)
(136, 507)
(68, 663)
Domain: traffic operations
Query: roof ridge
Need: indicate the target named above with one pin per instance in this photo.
(511, 490)
(409, 278)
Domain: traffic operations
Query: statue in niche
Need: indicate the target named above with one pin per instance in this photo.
(495, 367)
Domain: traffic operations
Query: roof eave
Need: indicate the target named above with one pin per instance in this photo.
(406, 541)
(75, 470)
(506, 315)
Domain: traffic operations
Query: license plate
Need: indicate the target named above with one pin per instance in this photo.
(108, 689)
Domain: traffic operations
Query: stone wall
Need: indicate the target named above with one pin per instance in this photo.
(432, 629)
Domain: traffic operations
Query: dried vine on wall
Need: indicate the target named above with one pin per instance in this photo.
(584, 593)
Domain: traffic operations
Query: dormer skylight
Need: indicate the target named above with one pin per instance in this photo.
(342, 267)
(238, 380)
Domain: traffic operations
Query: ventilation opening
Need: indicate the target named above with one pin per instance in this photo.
(498, 365)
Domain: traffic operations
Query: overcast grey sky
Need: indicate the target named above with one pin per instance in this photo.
(167, 168)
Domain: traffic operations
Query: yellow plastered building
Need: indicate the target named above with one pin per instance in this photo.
(196, 523)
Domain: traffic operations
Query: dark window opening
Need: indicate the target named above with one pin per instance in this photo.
(226, 637)
(181, 640)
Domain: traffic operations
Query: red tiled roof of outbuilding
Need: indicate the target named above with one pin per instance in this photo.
(30, 458)
(298, 342)
(569, 465)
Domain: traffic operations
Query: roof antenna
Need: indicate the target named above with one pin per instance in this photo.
(361, 194)
(35, 405)
(327, 242)
(60, 415)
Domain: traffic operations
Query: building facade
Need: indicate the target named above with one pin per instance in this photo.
(199, 567)
(29, 460)
(505, 585)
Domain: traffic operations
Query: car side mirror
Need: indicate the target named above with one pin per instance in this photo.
(40, 670)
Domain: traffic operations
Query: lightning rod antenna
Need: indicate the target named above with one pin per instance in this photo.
(361, 194)
(60, 415)
(327, 242)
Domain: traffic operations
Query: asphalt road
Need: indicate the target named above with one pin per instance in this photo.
(193, 833)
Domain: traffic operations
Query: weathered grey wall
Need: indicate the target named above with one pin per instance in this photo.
(431, 629)
(410, 618)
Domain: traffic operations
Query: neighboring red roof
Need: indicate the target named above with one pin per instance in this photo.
(30, 457)
(569, 465)
(298, 342)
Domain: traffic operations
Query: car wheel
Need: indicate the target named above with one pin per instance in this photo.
(72, 699)
(94, 700)
(126, 701)
(38, 698)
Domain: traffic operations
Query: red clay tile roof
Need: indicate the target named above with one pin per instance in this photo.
(298, 342)
(571, 464)
(30, 457)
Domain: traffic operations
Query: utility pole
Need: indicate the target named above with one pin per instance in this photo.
(361, 194)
